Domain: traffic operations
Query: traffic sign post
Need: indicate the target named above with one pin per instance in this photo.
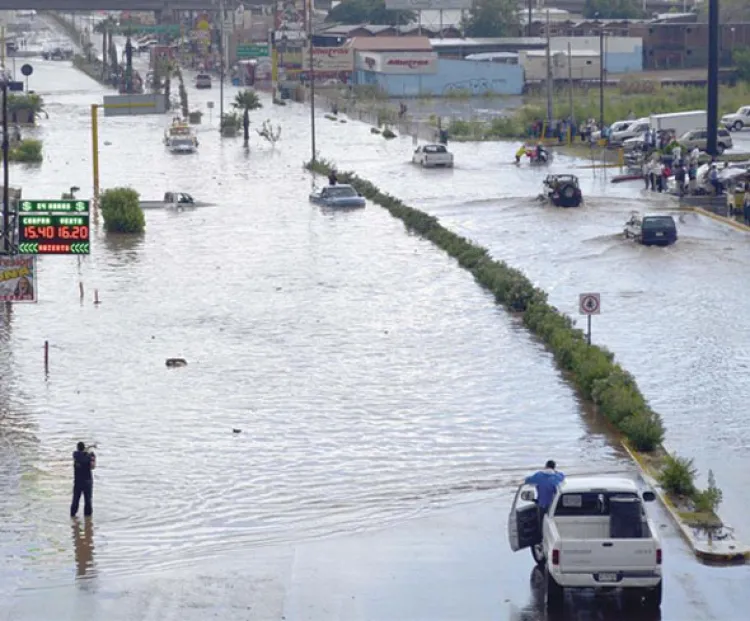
(589, 304)
(54, 227)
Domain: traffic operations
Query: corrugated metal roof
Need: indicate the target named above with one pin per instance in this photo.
(438, 43)
(390, 44)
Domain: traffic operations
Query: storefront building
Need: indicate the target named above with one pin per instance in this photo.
(422, 73)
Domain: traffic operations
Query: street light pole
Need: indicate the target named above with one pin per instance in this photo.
(601, 78)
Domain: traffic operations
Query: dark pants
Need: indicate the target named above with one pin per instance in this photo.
(87, 489)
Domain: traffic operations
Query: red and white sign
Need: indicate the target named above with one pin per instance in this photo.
(403, 63)
(330, 59)
(589, 303)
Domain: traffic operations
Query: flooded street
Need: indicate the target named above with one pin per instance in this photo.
(387, 407)
(673, 316)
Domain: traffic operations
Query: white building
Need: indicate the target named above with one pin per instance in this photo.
(581, 65)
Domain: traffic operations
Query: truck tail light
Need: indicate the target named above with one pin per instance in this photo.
(658, 556)
(556, 557)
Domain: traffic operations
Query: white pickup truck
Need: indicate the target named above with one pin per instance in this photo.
(596, 535)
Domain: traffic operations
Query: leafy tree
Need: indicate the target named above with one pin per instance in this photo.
(612, 9)
(741, 60)
(493, 18)
(368, 12)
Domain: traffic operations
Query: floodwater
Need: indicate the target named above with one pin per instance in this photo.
(387, 407)
(370, 378)
(673, 316)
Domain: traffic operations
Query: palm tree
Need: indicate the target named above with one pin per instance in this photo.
(105, 28)
(246, 100)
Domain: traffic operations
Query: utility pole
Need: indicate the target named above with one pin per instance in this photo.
(570, 80)
(601, 78)
(531, 11)
(550, 110)
(712, 106)
(308, 4)
(7, 237)
(221, 63)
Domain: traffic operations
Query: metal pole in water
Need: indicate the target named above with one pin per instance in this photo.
(46, 357)
(312, 80)
(95, 153)
(221, 63)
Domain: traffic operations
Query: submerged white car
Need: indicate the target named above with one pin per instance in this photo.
(433, 156)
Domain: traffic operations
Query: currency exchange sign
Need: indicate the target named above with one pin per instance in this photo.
(54, 227)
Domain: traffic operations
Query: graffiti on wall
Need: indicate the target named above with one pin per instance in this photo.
(474, 86)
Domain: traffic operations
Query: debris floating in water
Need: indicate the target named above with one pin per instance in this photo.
(236, 430)
(176, 362)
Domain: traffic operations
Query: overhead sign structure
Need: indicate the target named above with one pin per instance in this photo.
(427, 5)
(252, 50)
(589, 304)
(54, 227)
(17, 278)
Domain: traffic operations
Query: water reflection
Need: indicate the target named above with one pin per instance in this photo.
(83, 546)
(581, 606)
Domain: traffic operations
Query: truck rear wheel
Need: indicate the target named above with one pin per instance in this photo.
(555, 595)
(537, 551)
(652, 597)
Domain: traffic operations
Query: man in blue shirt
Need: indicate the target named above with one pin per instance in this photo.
(546, 482)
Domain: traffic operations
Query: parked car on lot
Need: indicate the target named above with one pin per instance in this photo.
(433, 156)
(634, 130)
(203, 80)
(595, 535)
(616, 127)
(737, 120)
(699, 138)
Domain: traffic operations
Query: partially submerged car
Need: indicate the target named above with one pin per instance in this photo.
(202, 80)
(595, 535)
(340, 196)
(562, 190)
(433, 156)
(651, 230)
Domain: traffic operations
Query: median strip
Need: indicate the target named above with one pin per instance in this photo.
(590, 368)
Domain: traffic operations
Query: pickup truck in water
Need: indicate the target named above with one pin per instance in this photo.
(596, 535)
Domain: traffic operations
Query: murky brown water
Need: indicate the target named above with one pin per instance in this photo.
(674, 316)
(371, 378)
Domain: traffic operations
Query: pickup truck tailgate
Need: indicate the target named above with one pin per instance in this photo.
(577, 555)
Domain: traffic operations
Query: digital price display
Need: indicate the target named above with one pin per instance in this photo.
(54, 227)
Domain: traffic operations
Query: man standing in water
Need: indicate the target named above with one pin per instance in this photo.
(83, 480)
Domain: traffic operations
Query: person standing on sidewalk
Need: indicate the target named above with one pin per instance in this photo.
(83, 480)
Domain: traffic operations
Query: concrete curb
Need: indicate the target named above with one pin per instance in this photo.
(733, 223)
(726, 552)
